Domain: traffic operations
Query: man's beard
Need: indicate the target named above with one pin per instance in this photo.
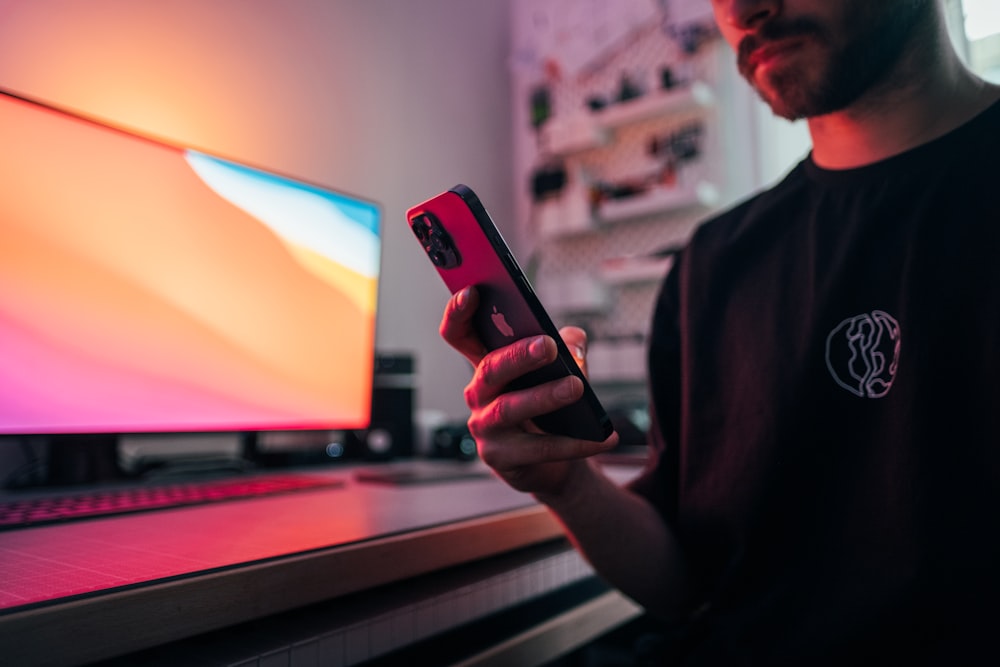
(880, 34)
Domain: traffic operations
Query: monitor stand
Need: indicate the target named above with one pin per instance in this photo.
(83, 459)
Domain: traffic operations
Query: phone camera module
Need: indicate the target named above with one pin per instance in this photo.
(436, 241)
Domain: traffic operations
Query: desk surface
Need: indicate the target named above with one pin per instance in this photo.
(109, 586)
(57, 562)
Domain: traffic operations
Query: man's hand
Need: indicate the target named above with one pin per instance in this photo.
(524, 456)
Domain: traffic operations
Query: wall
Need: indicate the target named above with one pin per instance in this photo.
(391, 100)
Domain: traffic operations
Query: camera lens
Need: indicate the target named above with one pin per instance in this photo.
(420, 230)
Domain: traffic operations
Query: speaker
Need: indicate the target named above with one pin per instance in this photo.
(391, 433)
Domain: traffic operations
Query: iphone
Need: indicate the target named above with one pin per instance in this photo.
(466, 248)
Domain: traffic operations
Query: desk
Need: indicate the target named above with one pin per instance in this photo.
(187, 571)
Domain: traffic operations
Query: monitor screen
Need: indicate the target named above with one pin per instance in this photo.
(147, 287)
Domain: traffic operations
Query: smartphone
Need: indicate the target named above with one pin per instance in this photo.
(465, 246)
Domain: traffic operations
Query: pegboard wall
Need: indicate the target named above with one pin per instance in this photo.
(631, 118)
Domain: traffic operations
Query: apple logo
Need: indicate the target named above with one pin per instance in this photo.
(500, 322)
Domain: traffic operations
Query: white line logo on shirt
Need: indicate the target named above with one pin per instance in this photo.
(862, 353)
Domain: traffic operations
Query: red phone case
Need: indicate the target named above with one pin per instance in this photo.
(467, 249)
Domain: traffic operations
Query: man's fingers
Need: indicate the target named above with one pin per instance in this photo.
(536, 448)
(500, 367)
(515, 407)
(456, 325)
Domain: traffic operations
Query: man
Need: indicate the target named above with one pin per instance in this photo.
(825, 473)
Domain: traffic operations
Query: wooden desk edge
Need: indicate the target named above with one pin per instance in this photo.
(122, 621)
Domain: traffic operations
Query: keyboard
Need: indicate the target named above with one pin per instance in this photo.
(93, 503)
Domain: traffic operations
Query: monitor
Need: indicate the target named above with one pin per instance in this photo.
(147, 287)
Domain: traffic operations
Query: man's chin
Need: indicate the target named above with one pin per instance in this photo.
(783, 109)
(781, 101)
(792, 94)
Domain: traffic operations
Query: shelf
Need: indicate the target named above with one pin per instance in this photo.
(657, 200)
(574, 229)
(634, 270)
(576, 293)
(697, 95)
(616, 361)
(565, 216)
(574, 134)
(585, 131)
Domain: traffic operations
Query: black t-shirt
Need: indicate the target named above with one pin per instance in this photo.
(825, 376)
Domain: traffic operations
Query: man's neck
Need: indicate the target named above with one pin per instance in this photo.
(931, 94)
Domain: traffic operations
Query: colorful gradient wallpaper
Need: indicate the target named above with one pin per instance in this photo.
(146, 287)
